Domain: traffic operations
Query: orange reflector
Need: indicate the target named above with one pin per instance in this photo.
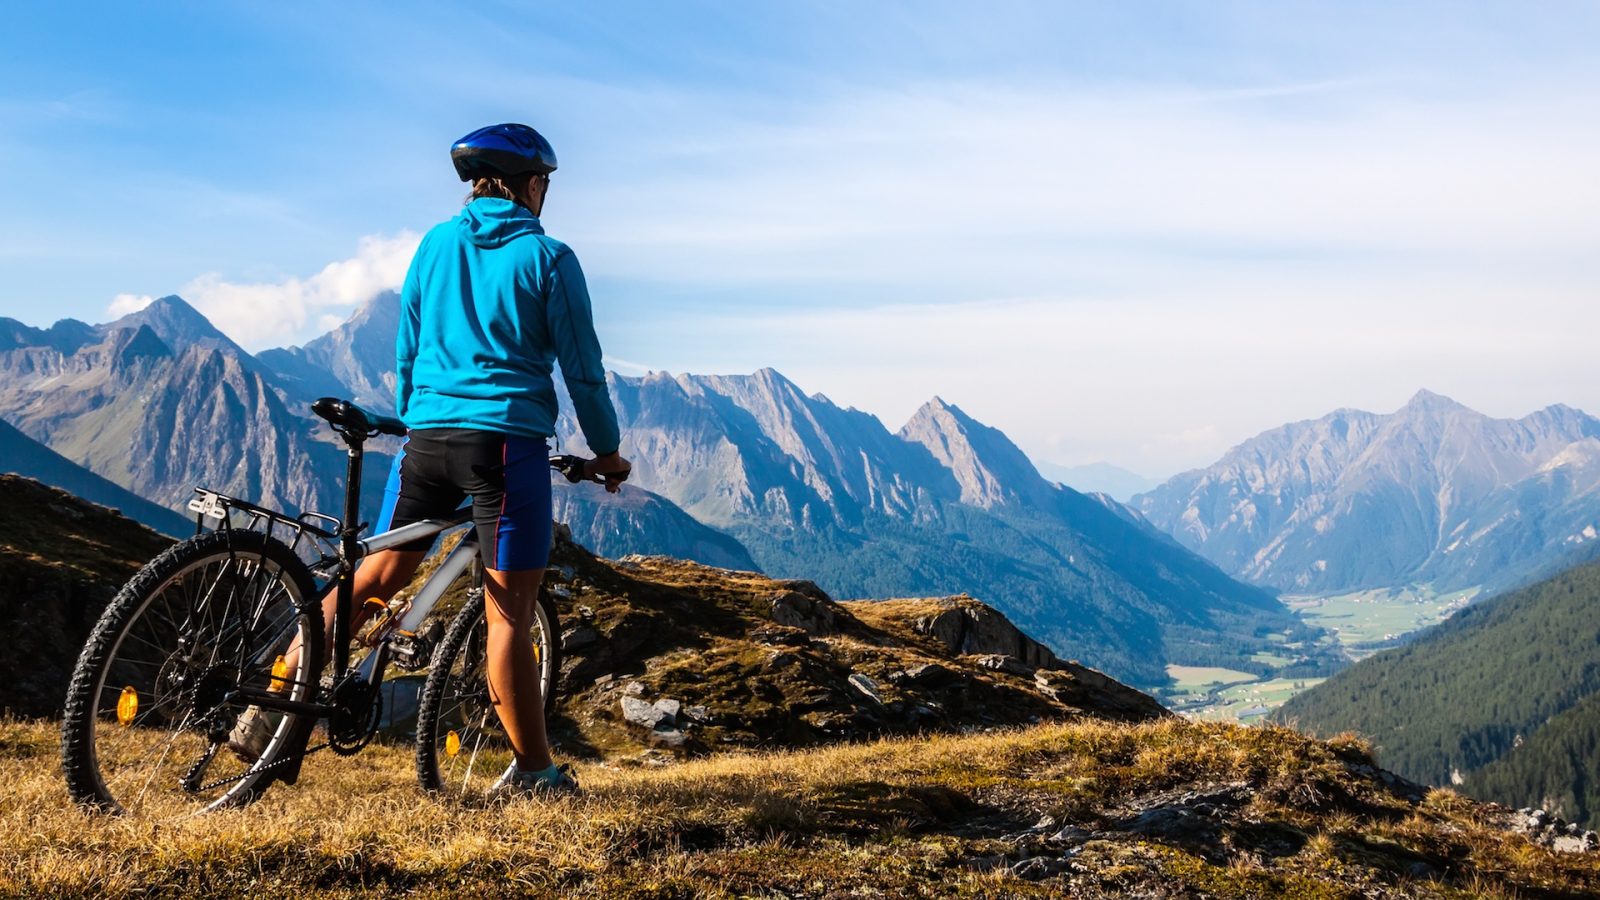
(280, 674)
(452, 744)
(127, 705)
(538, 653)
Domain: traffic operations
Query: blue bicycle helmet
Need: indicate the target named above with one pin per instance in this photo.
(508, 149)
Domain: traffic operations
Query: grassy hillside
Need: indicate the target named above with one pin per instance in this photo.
(1160, 809)
(1463, 694)
(762, 662)
(1106, 796)
(61, 560)
(774, 663)
(24, 456)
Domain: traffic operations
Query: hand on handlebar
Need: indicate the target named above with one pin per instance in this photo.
(611, 468)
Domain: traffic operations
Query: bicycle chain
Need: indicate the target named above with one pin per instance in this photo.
(261, 771)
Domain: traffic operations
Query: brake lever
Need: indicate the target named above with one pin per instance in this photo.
(572, 468)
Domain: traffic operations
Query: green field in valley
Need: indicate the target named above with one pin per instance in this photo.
(1368, 621)
(1249, 701)
(1201, 676)
(1361, 622)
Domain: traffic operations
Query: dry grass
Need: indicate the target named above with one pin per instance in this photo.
(890, 818)
(896, 613)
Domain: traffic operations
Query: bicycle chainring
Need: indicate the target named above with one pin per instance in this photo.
(358, 709)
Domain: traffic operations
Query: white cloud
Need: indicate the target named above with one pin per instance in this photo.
(964, 183)
(1194, 267)
(123, 304)
(291, 310)
(626, 366)
(1170, 376)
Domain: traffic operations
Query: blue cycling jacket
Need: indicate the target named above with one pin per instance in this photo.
(489, 304)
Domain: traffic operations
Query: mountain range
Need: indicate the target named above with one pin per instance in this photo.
(944, 505)
(750, 472)
(1434, 493)
(160, 401)
(745, 471)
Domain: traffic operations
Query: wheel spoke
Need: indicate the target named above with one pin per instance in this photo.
(189, 630)
(456, 700)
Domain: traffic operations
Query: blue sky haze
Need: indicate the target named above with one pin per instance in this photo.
(1138, 232)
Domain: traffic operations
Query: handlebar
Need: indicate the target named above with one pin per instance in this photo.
(572, 467)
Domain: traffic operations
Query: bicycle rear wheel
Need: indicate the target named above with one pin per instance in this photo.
(154, 696)
(459, 738)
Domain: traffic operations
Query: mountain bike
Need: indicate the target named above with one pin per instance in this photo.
(203, 633)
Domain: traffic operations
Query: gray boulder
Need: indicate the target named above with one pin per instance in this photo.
(810, 611)
(641, 713)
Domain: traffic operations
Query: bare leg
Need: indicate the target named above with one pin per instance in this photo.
(509, 601)
(380, 575)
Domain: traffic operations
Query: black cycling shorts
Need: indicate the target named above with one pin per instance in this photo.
(506, 475)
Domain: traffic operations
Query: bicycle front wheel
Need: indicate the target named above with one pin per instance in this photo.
(156, 694)
(459, 737)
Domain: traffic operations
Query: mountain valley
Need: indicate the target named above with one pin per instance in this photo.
(745, 471)
(1502, 699)
(998, 770)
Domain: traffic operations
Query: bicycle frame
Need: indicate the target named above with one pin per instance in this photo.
(349, 551)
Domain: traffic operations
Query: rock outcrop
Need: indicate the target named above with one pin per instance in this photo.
(967, 626)
(666, 655)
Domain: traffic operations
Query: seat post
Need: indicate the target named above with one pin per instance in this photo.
(351, 526)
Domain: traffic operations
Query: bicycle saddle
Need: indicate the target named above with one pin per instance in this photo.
(346, 416)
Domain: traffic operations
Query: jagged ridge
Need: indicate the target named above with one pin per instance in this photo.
(1432, 493)
(947, 505)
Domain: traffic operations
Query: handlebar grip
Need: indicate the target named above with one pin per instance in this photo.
(572, 468)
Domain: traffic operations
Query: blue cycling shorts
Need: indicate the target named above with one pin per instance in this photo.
(506, 475)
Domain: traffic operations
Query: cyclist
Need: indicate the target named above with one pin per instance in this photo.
(489, 304)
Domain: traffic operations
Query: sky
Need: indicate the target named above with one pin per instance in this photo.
(1132, 232)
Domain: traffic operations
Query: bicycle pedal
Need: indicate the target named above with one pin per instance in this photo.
(414, 651)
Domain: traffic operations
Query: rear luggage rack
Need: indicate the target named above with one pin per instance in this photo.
(209, 504)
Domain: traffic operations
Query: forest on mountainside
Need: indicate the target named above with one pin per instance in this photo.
(1554, 769)
(1467, 692)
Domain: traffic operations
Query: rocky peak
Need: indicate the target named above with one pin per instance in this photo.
(175, 322)
(65, 336)
(838, 459)
(1426, 402)
(1563, 422)
(180, 326)
(1435, 491)
(990, 470)
(14, 334)
(132, 344)
(355, 360)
